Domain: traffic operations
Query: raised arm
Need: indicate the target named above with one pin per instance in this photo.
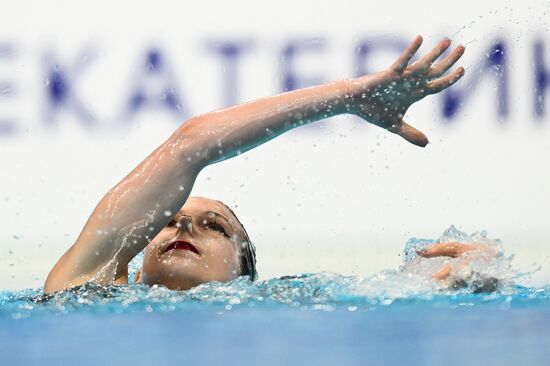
(136, 209)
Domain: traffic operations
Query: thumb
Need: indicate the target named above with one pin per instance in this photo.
(409, 133)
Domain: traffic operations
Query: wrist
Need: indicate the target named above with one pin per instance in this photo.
(361, 89)
(345, 97)
(353, 92)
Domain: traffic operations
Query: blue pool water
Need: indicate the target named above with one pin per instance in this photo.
(325, 319)
(394, 317)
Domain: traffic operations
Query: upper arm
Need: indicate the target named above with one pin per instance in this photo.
(129, 216)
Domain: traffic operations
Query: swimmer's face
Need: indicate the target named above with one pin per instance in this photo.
(201, 244)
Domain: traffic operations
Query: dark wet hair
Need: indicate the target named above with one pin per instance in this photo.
(480, 284)
(485, 285)
(247, 251)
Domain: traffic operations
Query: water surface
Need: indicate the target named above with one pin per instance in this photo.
(398, 316)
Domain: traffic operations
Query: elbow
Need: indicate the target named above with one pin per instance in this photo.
(192, 143)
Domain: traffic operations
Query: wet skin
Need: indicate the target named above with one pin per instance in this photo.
(201, 244)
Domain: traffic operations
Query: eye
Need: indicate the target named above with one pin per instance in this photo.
(213, 225)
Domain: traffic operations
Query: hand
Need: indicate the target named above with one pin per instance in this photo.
(384, 97)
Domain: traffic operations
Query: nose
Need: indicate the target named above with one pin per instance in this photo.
(187, 223)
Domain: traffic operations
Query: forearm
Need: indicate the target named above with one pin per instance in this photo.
(457, 249)
(228, 132)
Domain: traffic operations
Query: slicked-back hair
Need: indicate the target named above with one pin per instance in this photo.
(247, 251)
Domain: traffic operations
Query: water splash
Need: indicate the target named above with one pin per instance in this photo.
(319, 291)
(475, 271)
(411, 284)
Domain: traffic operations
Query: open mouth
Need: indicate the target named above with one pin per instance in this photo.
(182, 245)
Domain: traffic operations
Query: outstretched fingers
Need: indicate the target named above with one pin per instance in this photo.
(441, 67)
(423, 65)
(401, 63)
(409, 133)
(437, 85)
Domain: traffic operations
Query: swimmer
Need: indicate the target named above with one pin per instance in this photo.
(456, 271)
(192, 240)
(458, 274)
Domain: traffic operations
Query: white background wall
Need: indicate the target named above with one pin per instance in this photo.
(340, 195)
